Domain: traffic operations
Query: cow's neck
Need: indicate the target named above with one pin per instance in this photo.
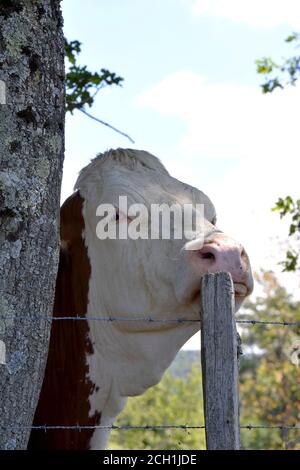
(127, 358)
(126, 364)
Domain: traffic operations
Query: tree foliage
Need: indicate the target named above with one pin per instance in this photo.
(278, 76)
(289, 207)
(81, 84)
(269, 386)
(176, 401)
(270, 380)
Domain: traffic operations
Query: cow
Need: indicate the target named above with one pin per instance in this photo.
(94, 365)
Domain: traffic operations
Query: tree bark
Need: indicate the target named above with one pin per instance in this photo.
(31, 159)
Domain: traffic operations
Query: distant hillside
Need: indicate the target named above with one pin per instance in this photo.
(183, 362)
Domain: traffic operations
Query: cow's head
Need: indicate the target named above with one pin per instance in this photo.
(150, 277)
(142, 278)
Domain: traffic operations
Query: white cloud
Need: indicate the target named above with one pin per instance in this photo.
(259, 132)
(226, 120)
(257, 13)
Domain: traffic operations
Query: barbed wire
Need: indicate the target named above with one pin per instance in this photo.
(79, 427)
(37, 317)
(96, 318)
(260, 322)
(280, 426)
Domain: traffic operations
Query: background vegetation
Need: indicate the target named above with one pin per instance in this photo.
(269, 385)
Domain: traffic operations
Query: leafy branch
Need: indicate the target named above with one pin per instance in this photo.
(288, 206)
(280, 75)
(82, 86)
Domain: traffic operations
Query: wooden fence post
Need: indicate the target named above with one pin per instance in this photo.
(219, 362)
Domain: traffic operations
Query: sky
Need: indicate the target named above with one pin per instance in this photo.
(191, 96)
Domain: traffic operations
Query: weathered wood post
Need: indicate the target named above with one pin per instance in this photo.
(219, 362)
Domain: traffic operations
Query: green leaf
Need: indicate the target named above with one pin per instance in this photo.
(289, 69)
(82, 85)
(290, 264)
(292, 37)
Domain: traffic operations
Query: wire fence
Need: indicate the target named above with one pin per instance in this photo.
(37, 317)
(80, 427)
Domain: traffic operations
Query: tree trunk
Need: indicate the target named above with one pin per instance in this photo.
(31, 159)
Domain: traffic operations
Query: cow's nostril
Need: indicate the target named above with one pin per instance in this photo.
(208, 255)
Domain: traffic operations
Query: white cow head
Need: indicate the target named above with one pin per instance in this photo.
(144, 277)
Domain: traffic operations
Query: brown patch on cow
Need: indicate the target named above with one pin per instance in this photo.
(64, 399)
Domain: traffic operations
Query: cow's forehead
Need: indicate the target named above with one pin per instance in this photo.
(141, 177)
(134, 160)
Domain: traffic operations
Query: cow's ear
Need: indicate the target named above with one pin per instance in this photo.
(71, 220)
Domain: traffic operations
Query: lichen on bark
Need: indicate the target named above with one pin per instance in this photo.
(31, 159)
